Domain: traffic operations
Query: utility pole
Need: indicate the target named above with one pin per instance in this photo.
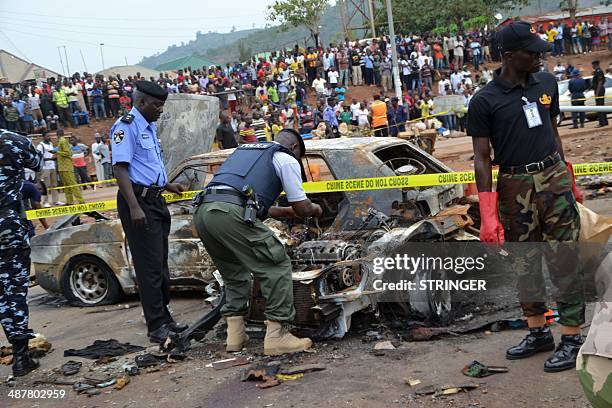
(396, 77)
(67, 64)
(83, 59)
(125, 60)
(102, 55)
(371, 9)
(61, 61)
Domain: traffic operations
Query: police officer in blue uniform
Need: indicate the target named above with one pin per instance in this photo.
(229, 221)
(142, 178)
(16, 154)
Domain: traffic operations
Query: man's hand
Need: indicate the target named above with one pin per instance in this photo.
(175, 188)
(491, 229)
(139, 219)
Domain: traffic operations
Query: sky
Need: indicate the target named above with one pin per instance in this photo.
(129, 29)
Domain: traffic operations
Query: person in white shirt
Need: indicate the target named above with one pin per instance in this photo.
(442, 85)
(354, 108)
(97, 157)
(49, 173)
(362, 116)
(333, 77)
(455, 79)
(319, 86)
(559, 71)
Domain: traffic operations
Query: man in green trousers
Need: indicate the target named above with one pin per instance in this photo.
(229, 222)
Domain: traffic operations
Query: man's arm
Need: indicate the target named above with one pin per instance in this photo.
(125, 187)
(482, 163)
(557, 137)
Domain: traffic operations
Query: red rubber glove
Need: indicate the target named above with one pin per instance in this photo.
(491, 230)
(577, 193)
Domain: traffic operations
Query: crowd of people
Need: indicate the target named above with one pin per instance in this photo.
(305, 89)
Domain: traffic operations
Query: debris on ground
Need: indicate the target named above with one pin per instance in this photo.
(37, 347)
(101, 348)
(426, 333)
(479, 370)
(306, 368)
(122, 381)
(413, 382)
(263, 373)
(445, 390)
(149, 360)
(229, 362)
(285, 377)
(71, 367)
(130, 369)
(384, 345)
(105, 360)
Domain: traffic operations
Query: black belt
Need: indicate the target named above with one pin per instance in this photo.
(532, 167)
(147, 192)
(224, 195)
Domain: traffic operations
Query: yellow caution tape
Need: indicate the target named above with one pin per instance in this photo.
(332, 186)
(91, 183)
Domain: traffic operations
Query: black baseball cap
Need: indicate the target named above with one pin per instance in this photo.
(519, 35)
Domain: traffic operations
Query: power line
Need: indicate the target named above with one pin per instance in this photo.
(14, 46)
(80, 41)
(36, 24)
(145, 19)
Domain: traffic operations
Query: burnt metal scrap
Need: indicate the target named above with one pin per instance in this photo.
(331, 257)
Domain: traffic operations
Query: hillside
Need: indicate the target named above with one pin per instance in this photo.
(223, 48)
(202, 44)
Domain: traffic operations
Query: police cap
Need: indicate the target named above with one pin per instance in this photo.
(151, 89)
(519, 35)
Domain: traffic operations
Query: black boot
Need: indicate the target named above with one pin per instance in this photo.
(564, 357)
(22, 362)
(538, 340)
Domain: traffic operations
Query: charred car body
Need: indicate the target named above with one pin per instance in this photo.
(332, 258)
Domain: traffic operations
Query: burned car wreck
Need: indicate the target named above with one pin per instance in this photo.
(331, 257)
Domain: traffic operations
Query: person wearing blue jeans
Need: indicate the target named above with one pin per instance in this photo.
(97, 101)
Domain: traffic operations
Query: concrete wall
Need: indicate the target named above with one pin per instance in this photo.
(187, 127)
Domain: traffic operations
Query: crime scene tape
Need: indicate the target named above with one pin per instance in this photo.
(90, 183)
(332, 186)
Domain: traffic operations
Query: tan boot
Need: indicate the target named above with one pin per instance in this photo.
(279, 341)
(236, 336)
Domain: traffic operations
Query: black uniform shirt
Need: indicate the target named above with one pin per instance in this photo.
(496, 112)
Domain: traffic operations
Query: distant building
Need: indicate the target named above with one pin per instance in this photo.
(14, 70)
(593, 14)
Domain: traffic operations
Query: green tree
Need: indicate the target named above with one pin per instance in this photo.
(571, 6)
(244, 51)
(413, 17)
(297, 13)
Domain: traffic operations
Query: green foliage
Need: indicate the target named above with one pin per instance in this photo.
(445, 15)
(476, 23)
(296, 13)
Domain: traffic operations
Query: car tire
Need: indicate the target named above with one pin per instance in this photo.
(433, 305)
(88, 281)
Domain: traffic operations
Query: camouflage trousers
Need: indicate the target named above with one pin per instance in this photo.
(14, 273)
(540, 207)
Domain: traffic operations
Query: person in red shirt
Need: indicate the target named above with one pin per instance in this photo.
(125, 102)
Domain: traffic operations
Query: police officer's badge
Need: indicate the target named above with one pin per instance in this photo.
(118, 136)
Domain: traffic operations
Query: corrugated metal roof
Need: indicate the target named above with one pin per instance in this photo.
(14, 69)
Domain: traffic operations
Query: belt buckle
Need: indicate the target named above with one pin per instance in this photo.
(143, 194)
(538, 165)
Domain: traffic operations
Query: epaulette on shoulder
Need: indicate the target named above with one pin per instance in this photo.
(127, 118)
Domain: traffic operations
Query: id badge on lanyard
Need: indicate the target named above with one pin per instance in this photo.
(530, 109)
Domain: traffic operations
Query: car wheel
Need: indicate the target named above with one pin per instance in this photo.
(88, 281)
(431, 303)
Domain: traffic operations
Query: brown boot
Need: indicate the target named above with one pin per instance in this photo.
(279, 341)
(236, 336)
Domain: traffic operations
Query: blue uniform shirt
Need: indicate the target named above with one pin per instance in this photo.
(136, 143)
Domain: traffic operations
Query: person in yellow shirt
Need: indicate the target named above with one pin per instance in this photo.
(551, 33)
(379, 117)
